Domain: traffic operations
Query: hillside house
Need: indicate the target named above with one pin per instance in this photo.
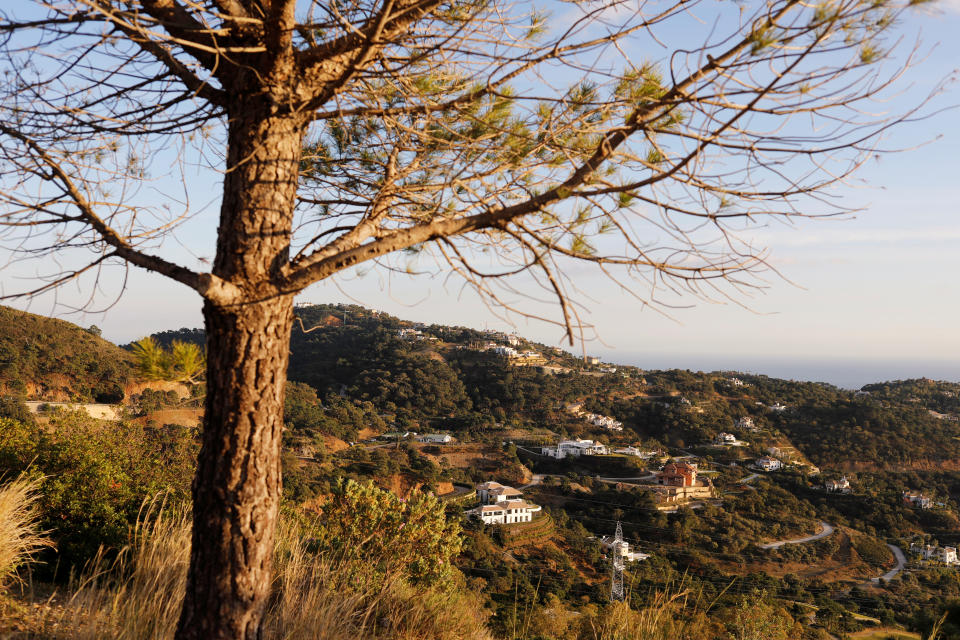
(574, 448)
(917, 500)
(634, 451)
(506, 512)
(677, 474)
(766, 463)
(946, 555)
(592, 360)
(435, 438)
(494, 493)
(678, 482)
(629, 554)
(838, 486)
(605, 422)
(745, 423)
(513, 341)
(724, 439)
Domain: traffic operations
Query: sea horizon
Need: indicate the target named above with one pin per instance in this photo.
(846, 373)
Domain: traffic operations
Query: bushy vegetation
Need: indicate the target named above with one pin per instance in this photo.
(53, 359)
(93, 479)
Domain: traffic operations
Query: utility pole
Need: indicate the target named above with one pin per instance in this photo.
(616, 578)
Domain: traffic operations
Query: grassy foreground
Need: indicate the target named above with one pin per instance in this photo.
(135, 594)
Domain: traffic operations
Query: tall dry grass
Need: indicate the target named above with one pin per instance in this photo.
(137, 595)
(677, 615)
(20, 535)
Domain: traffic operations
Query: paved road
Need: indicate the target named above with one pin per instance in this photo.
(826, 530)
(901, 562)
(750, 478)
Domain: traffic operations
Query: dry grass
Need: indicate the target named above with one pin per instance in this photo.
(666, 617)
(20, 535)
(137, 596)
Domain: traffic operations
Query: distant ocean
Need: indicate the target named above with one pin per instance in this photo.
(847, 374)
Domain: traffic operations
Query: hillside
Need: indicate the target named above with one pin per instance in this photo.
(48, 359)
(363, 384)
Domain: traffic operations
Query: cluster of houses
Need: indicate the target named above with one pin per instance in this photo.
(606, 422)
(917, 499)
(575, 449)
(597, 420)
(930, 553)
(500, 504)
(519, 357)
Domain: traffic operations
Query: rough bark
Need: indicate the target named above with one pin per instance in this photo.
(236, 490)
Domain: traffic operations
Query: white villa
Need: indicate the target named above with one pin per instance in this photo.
(507, 512)
(435, 438)
(946, 555)
(634, 451)
(917, 499)
(767, 463)
(746, 423)
(838, 486)
(574, 448)
(494, 493)
(500, 504)
(723, 439)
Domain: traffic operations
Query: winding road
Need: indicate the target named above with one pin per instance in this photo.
(826, 530)
(901, 562)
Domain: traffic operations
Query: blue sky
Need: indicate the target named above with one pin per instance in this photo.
(869, 298)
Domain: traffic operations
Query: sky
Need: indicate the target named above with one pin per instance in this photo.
(871, 297)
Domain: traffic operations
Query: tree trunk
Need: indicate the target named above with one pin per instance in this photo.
(236, 490)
